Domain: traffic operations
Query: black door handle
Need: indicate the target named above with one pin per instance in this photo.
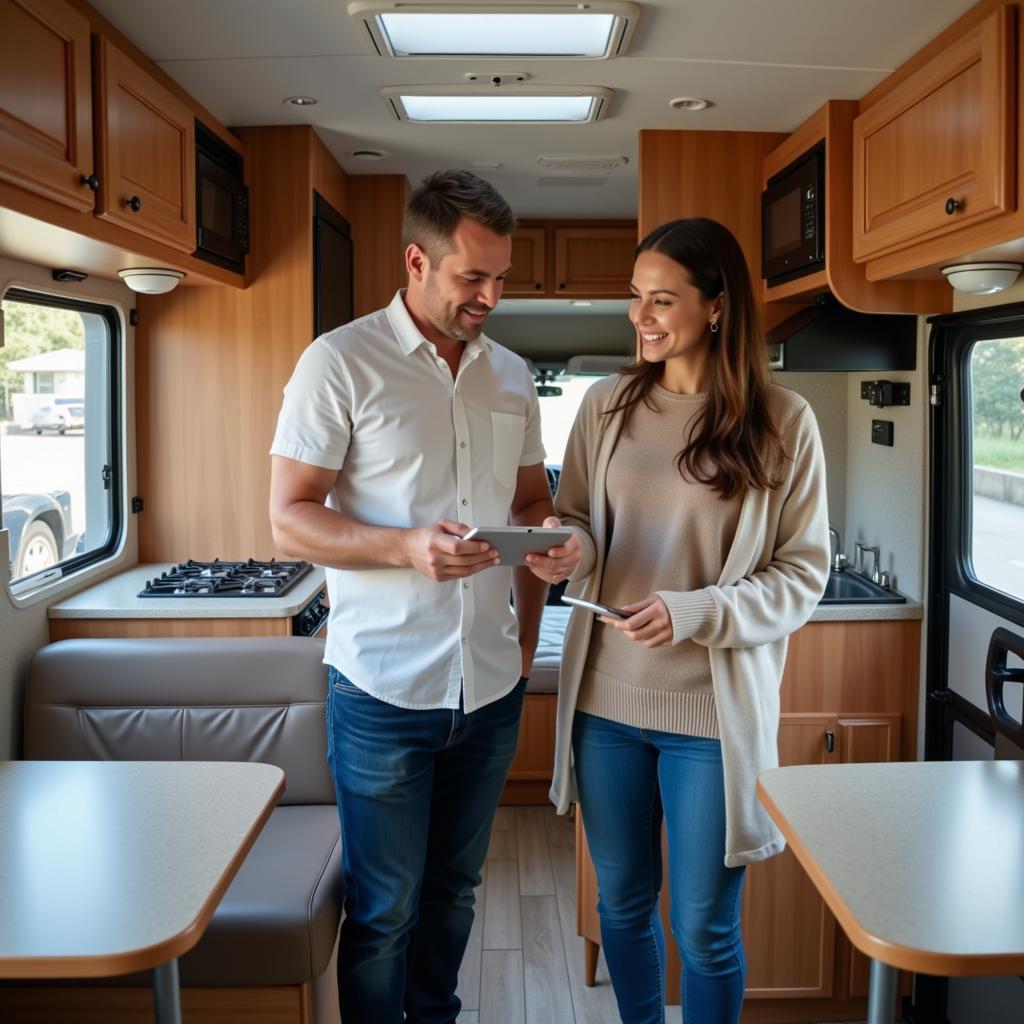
(92, 181)
(830, 741)
(952, 205)
(1002, 643)
(133, 203)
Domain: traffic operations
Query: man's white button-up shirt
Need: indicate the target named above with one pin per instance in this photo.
(374, 400)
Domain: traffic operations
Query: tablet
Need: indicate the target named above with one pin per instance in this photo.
(514, 543)
(596, 608)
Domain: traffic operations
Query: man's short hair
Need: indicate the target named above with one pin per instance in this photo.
(442, 199)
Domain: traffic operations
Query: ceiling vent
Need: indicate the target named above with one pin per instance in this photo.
(578, 164)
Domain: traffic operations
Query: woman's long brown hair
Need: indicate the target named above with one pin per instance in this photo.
(733, 445)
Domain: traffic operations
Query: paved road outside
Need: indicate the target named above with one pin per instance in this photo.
(998, 543)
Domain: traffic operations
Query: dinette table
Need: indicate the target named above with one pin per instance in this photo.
(920, 862)
(111, 867)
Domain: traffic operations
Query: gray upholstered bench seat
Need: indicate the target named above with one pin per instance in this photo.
(238, 699)
(544, 674)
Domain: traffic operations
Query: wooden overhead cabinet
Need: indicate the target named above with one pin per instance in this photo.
(527, 276)
(46, 101)
(936, 154)
(560, 259)
(594, 260)
(146, 149)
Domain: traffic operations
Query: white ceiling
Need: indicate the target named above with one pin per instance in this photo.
(766, 66)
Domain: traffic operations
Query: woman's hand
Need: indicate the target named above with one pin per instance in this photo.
(557, 563)
(649, 622)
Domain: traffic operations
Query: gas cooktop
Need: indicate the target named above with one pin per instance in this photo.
(227, 579)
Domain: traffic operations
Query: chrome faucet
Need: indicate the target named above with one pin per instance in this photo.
(860, 550)
(836, 557)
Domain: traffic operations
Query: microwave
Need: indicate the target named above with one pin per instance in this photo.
(222, 203)
(793, 219)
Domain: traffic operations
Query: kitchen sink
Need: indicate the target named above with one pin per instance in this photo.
(849, 587)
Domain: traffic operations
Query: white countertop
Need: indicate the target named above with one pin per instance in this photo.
(867, 612)
(117, 598)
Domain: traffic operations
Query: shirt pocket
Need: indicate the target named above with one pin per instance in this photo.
(509, 429)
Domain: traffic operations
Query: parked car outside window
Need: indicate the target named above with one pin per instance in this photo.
(40, 530)
(62, 415)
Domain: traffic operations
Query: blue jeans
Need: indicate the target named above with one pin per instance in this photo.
(417, 791)
(629, 779)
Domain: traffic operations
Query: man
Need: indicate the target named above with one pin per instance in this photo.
(398, 432)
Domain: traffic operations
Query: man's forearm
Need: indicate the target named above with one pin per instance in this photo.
(316, 533)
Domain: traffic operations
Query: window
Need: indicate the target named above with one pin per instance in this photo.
(995, 383)
(59, 435)
(558, 411)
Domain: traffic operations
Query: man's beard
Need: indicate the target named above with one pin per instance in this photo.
(446, 318)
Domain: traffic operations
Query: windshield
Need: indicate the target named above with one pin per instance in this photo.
(557, 412)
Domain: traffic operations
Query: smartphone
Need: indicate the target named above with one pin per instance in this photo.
(597, 609)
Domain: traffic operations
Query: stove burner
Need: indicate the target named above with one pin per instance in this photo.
(227, 579)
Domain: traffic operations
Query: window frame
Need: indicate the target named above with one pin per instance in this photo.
(115, 383)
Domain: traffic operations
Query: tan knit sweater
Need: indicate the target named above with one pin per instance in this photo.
(667, 533)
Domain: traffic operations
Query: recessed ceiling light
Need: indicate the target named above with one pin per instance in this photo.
(368, 154)
(300, 101)
(691, 103)
(524, 104)
(581, 302)
(497, 28)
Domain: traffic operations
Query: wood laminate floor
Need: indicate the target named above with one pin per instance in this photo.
(524, 964)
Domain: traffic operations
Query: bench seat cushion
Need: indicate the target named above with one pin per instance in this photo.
(278, 920)
(544, 674)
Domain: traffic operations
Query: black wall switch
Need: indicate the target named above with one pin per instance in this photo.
(881, 432)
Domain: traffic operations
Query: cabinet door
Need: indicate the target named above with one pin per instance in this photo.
(526, 277)
(46, 100)
(594, 261)
(788, 932)
(863, 739)
(146, 148)
(937, 153)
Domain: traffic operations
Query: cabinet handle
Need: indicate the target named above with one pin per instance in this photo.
(952, 205)
(561, 286)
(92, 181)
(133, 203)
(538, 285)
(830, 742)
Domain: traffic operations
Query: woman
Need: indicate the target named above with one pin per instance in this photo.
(698, 490)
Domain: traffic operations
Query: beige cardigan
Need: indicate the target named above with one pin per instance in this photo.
(773, 576)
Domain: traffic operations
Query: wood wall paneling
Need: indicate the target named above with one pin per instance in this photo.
(376, 208)
(710, 174)
(211, 363)
(328, 177)
(210, 367)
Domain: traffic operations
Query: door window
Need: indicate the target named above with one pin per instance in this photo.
(995, 401)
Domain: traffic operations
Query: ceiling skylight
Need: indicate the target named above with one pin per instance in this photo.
(420, 28)
(452, 105)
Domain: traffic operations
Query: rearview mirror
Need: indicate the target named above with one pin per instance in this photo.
(548, 391)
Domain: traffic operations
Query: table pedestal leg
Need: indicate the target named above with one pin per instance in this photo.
(167, 993)
(882, 993)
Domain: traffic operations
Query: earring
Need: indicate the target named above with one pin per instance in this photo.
(714, 326)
